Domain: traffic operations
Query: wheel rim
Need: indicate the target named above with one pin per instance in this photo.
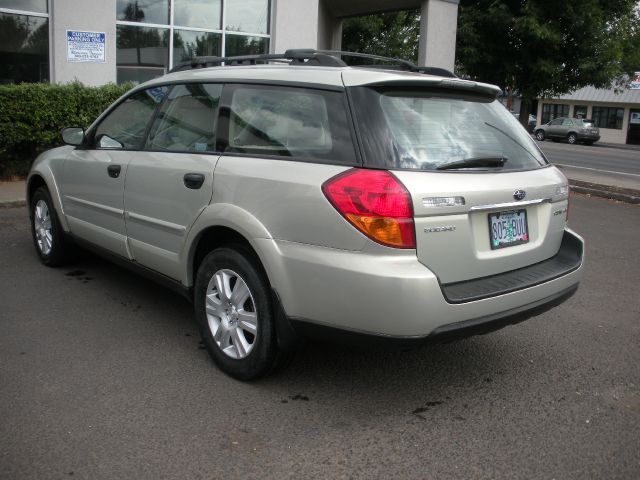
(42, 227)
(540, 136)
(231, 314)
(572, 139)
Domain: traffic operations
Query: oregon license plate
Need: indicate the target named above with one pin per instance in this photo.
(508, 228)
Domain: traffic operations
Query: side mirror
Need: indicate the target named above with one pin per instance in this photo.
(73, 135)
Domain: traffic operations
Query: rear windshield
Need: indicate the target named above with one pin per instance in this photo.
(587, 122)
(427, 129)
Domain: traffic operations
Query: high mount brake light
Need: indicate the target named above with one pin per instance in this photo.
(376, 203)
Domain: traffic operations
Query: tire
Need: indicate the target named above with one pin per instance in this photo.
(235, 314)
(48, 236)
(572, 138)
(540, 136)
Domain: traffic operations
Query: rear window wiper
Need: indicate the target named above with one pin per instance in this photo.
(475, 162)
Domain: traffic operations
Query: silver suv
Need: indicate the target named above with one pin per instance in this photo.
(573, 130)
(309, 198)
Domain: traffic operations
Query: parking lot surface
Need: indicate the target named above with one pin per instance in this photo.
(102, 376)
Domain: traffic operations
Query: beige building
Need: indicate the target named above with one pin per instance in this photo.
(615, 111)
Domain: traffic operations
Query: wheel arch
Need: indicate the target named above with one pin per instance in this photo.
(45, 179)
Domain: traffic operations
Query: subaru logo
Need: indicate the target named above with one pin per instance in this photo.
(519, 194)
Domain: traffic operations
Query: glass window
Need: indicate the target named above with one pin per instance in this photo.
(24, 48)
(420, 129)
(554, 110)
(187, 120)
(243, 45)
(146, 11)
(567, 122)
(39, 6)
(198, 13)
(290, 122)
(142, 53)
(608, 117)
(250, 16)
(580, 111)
(188, 45)
(124, 127)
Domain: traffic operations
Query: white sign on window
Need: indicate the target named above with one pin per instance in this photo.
(85, 46)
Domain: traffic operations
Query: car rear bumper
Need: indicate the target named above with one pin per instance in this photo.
(591, 137)
(395, 295)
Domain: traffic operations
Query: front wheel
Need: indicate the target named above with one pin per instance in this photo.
(48, 235)
(540, 135)
(572, 138)
(235, 314)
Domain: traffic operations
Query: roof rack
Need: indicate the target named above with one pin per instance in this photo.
(325, 58)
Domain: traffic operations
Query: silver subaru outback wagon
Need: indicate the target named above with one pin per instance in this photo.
(292, 196)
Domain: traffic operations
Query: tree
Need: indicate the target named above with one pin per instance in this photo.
(543, 48)
(393, 34)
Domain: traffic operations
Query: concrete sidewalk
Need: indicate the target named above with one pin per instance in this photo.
(12, 194)
(618, 186)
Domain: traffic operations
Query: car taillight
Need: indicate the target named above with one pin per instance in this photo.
(376, 203)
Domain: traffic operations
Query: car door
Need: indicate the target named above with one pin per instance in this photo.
(170, 182)
(94, 175)
(555, 128)
(566, 127)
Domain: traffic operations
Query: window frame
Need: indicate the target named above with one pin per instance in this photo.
(552, 111)
(222, 138)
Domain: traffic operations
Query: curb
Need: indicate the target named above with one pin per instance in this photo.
(13, 204)
(626, 195)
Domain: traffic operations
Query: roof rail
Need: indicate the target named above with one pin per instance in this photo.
(326, 58)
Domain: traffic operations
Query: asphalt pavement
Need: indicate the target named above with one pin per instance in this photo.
(102, 376)
(604, 159)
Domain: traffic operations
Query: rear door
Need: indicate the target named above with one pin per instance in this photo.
(170, 182)
(485, 199)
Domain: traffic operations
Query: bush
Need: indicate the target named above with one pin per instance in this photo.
(32, 115)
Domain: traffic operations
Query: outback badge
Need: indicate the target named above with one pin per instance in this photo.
(519, 194)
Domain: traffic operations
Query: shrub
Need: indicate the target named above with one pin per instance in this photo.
(32, 115)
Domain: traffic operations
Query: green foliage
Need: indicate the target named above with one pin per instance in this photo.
(32, 115)
(542, 48)
(394, 34)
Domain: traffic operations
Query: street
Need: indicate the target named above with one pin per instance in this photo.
(593, 157)
(102, 376)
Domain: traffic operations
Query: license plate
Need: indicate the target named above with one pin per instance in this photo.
(508, 228)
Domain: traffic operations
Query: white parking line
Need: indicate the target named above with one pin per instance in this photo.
(597, 170)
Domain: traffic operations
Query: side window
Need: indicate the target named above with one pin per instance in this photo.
(187, 119)
(557, 121)
(293, 122)
(567, 122)
(125, 126)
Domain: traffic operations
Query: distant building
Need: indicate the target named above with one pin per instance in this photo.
(615, 111)
(101, 41)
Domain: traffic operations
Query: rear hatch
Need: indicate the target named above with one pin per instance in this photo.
(485, 200)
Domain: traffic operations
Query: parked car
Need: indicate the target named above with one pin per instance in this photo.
(573, 130)
(315, 199)
(531, 123)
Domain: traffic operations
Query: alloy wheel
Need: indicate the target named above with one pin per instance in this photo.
(231, 314)
(42, 227)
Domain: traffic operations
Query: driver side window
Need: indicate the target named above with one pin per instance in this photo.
(125, 126)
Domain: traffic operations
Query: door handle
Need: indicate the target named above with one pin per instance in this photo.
(193, 180)
(114, 170)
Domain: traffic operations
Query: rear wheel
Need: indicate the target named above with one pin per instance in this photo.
(48, 236)
(234, 311)
(572, 138)
(540, 136)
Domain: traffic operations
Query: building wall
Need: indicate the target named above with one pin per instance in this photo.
(294, 24)
(438, 23)
(87, 16)
(607, 135)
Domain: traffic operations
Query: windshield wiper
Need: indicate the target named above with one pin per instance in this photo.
(475, 162)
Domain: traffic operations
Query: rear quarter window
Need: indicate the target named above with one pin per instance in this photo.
(301, 123)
